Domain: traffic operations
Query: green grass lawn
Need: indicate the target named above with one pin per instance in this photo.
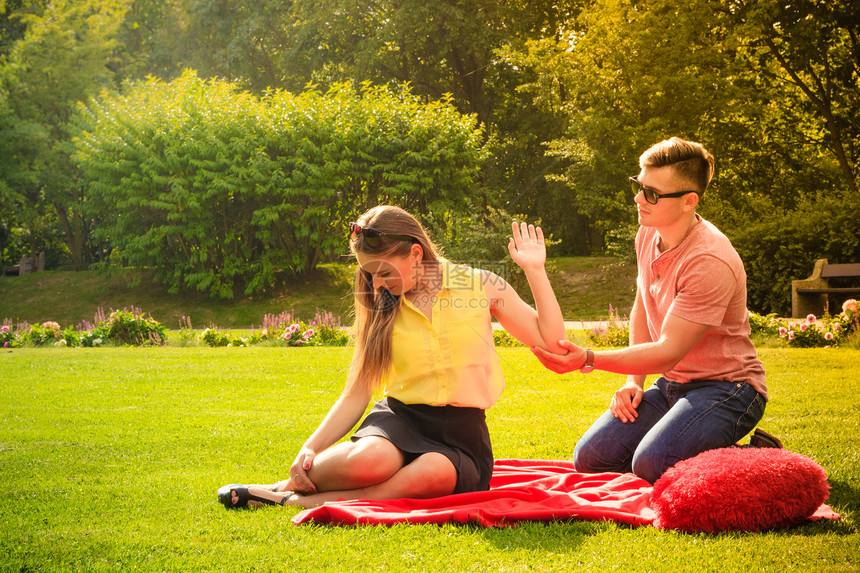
(585, 286)
(110, 459)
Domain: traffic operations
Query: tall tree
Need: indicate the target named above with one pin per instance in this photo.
(61, 59)
(813, 48)
(622, 76)
(626, 74)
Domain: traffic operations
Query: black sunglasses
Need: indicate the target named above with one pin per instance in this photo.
(652, 196)
(373, 237)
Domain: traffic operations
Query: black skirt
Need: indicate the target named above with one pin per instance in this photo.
(460, 434)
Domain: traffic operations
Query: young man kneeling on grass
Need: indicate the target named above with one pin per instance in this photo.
(689, 323)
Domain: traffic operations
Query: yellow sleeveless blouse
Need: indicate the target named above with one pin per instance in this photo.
(452, 359)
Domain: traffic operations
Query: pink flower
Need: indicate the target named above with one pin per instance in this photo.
(803, 327)
(828, 336)
(783, 331)
(810, 319)
(850, 304)
(288, 335)
(791, 335)
(5, 345)
(836, 327)
(5, 328)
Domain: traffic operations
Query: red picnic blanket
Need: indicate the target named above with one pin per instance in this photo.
(533, 490)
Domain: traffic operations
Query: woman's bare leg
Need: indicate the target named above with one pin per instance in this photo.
(371, 468)
(430, 475)
(351, 465)
(345, 466)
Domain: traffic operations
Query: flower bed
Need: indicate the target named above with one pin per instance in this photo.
(813, 331)
(134, 328)
(126, 326)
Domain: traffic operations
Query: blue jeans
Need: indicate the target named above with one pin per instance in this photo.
(676, 422)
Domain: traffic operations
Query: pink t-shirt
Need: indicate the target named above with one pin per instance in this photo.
(701, 280)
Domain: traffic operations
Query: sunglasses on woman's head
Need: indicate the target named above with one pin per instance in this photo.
(652, 196)
(373, 237)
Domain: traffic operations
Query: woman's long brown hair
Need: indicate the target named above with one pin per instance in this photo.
(375, 312)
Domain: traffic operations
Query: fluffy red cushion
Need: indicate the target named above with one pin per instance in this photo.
(744, 489)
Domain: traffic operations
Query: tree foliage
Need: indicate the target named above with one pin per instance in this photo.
(59, 53)
(763, 85)
(569, 93)
(441, 49)
(812, 48)
(219, 189)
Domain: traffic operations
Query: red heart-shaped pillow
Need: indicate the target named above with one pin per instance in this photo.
(743, 489)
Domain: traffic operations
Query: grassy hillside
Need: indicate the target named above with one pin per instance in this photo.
(585, 288)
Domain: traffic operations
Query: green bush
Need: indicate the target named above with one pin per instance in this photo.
(329, 329)
(333, 336)
(219, 190)
(134, 328)
(763, 325)
(97, 336)
(45, 334)
(216, 338)
(783, 247)
(8, 336)
(48, 332)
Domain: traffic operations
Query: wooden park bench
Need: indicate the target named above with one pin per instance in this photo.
(810, 296)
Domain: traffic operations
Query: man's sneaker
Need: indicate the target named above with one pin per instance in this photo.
(761, 439)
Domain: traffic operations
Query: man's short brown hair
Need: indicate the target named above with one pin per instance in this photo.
(689, 159)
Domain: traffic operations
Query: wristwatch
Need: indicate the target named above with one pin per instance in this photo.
(589, 362)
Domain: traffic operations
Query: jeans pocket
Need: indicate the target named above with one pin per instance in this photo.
(751, 417)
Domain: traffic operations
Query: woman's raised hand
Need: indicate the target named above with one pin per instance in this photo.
(527, 246)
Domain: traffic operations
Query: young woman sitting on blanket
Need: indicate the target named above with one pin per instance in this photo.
(423, 333)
